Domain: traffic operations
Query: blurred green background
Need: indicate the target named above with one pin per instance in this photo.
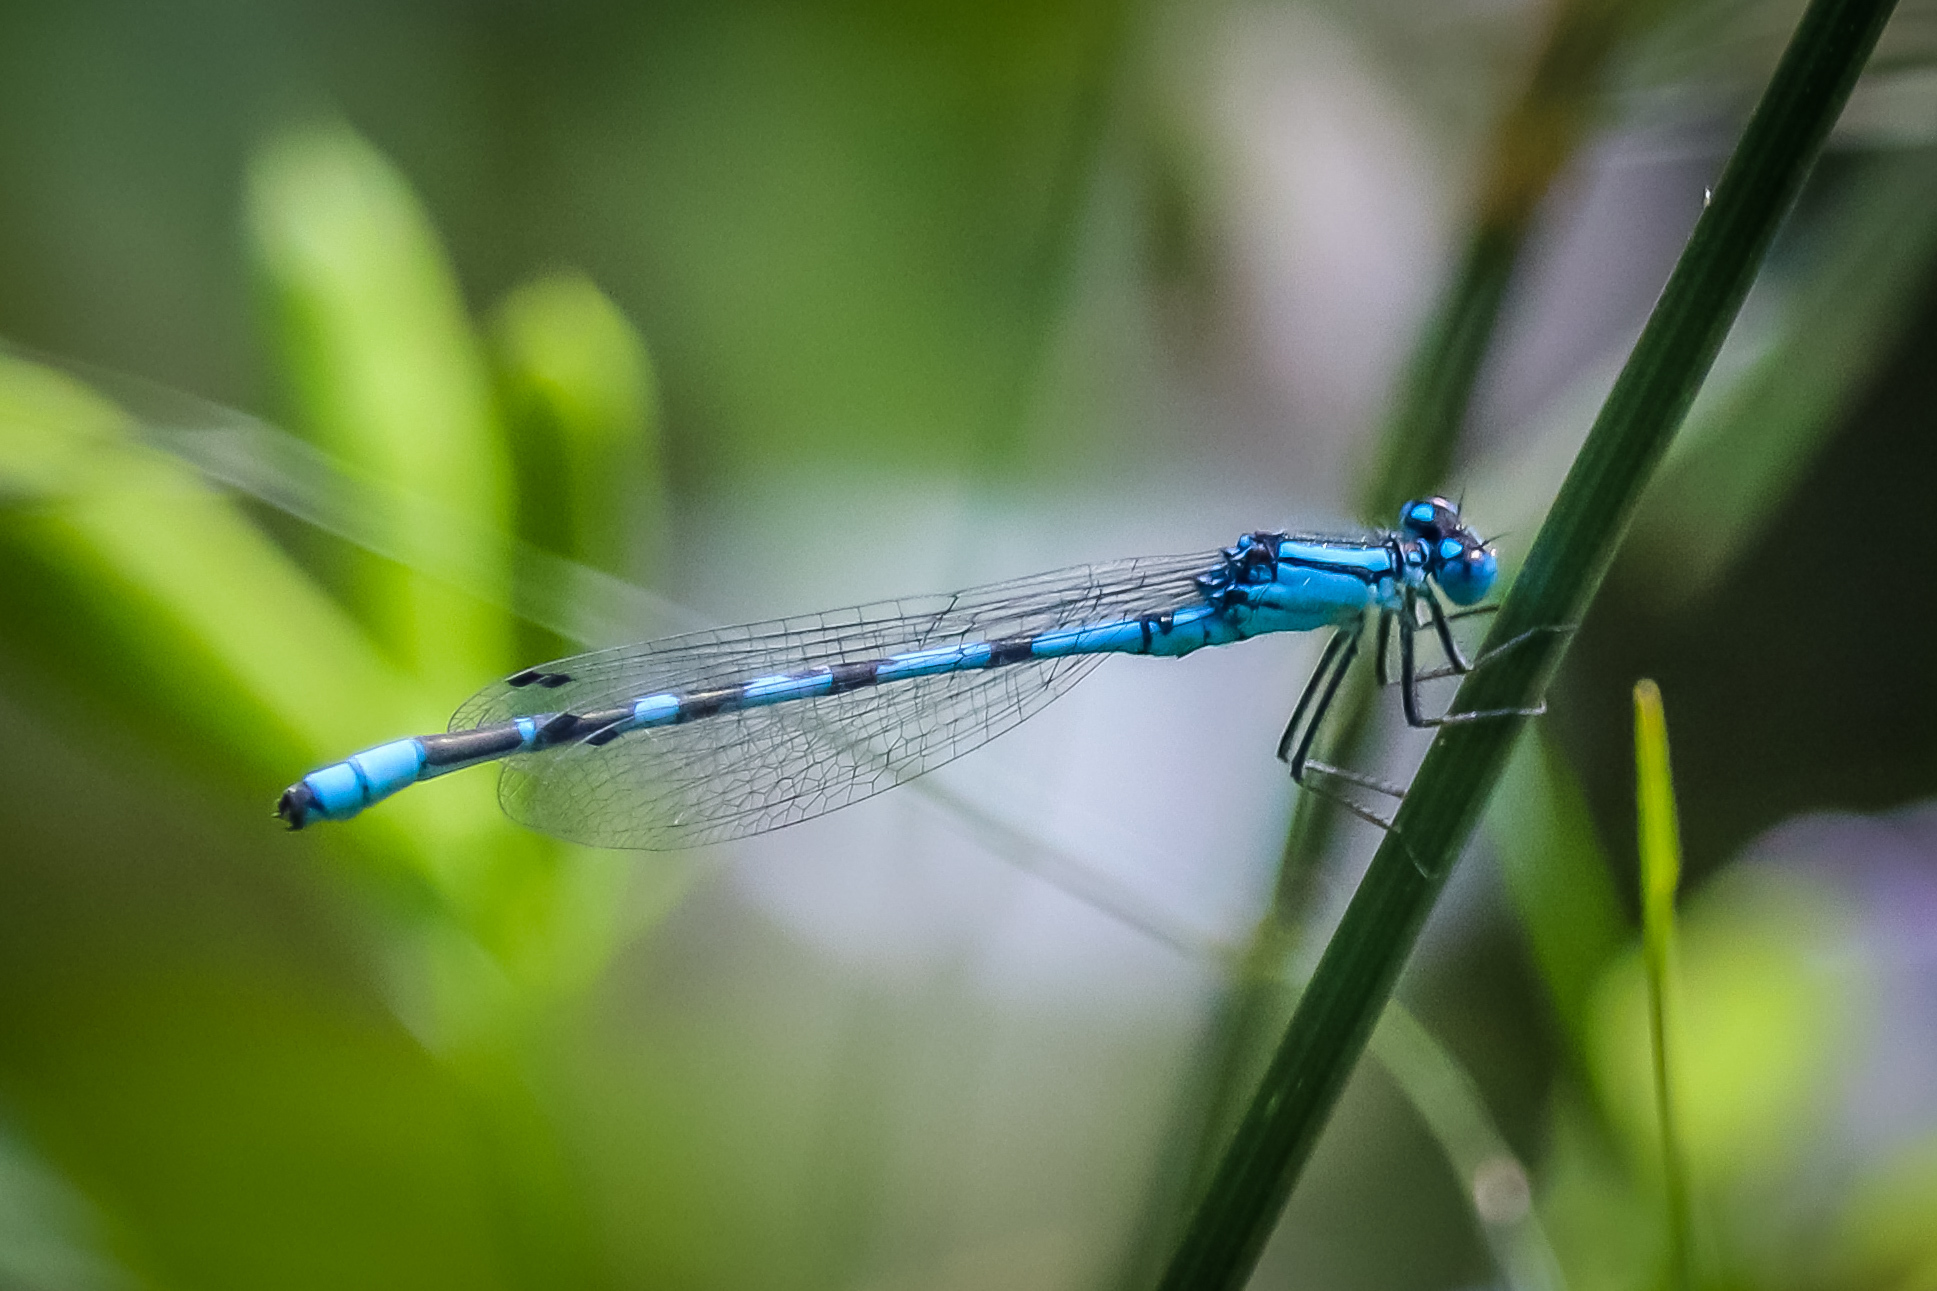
(598, 321)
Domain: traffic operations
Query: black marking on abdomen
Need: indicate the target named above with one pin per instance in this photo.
(595, 729)
(571, 726)
(557, 729)
(1013, 650)
(853, 676)
(467, 746)
(1160, 624)
(706, 703)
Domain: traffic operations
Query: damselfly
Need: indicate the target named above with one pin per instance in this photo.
(716, 735)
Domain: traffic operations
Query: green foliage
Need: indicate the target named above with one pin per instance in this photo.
(1557, 878)
(434, 1049)
(1753, 435)
(240, 650)
(581, 398)
(388, 374)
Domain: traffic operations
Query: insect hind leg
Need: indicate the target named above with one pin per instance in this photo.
(1294, 748)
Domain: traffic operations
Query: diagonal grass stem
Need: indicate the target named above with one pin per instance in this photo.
(1564, 569)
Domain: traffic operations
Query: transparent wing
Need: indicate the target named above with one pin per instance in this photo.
(746, 772)
(761, 769)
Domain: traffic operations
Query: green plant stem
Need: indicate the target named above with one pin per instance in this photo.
(1564, 568)
(1530, 145)
(1659, 836)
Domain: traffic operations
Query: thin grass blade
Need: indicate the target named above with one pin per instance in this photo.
(1659, 836)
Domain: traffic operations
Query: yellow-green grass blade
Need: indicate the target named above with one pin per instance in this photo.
(1658, 835)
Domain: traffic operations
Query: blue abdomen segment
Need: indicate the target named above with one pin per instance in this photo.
(933, 663)
(1165, 635)
(340, 791)
(1127, 636)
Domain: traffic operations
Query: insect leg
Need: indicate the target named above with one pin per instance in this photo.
(1309, 773)
(1312, 687)
(1484, 714)
(1445, 631)
(1384, 647)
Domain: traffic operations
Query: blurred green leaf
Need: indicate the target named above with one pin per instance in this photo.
(51, 1239)
(1607, 1233)
(1887, 1238)
(1489, 1172)
(388, 373)
(1752, 438)
(216, 628)
(581, 401)
(1557, 878)
(211, 622)
(246, 1130)
(227, 629)
(1766, 1015)
(863, 218)
(393, 380)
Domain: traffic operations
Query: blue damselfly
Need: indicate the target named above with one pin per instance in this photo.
(720, 734)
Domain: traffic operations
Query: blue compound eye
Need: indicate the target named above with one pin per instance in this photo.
(1417, 518)
(1466, 575)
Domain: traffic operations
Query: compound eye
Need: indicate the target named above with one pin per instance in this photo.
(1468, 573)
